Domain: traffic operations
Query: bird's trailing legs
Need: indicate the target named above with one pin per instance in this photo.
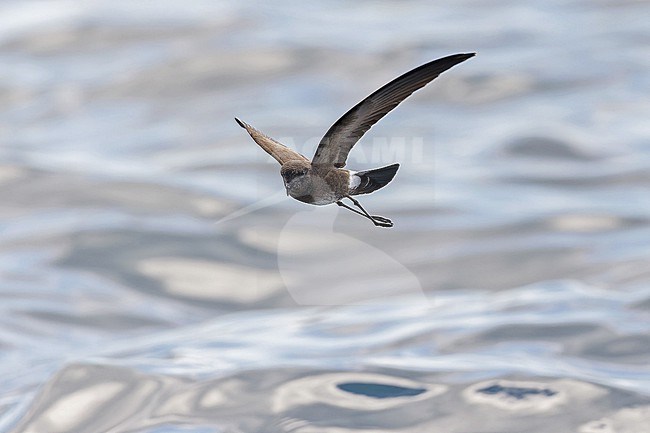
(376, 220)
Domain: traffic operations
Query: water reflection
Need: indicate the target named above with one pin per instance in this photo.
(152, 280)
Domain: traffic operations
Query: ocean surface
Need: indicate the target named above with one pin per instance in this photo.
(154, 277)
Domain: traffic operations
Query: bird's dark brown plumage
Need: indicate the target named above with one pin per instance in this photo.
(334, 147)
(322, 180)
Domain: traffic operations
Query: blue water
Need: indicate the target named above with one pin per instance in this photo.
(155, 278)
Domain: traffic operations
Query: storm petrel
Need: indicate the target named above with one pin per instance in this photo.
(323, 180)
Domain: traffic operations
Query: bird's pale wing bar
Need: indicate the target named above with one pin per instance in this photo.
(277, 150)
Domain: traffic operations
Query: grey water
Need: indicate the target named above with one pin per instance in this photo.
(155, 278)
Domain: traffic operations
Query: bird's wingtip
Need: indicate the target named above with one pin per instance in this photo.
(240, 123)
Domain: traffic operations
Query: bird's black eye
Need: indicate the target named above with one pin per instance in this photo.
(294, 173)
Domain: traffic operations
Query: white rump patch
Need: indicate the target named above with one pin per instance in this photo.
(355, 180)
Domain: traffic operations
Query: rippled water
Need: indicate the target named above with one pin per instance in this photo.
(154, 278)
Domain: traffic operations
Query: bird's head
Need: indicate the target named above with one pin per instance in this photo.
(293, 171)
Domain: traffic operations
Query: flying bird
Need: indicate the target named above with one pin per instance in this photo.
(323, 180)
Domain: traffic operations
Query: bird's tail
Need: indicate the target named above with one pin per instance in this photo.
(372, 180)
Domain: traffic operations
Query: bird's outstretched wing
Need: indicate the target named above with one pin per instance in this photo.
(277, 150)
(334, 147)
